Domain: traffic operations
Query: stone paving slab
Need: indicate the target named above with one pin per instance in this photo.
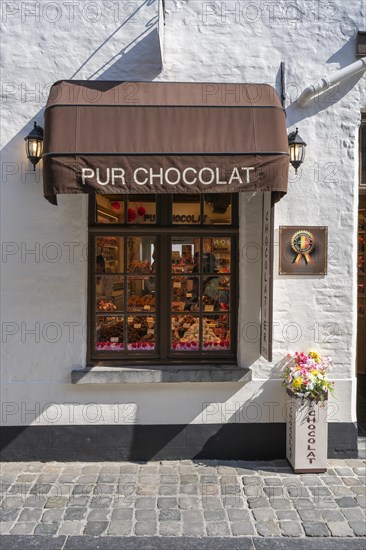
(14, 542)
(183, 499)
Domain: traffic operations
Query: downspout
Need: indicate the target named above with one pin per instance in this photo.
(325, 83)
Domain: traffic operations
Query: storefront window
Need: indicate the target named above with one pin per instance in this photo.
(165, 295)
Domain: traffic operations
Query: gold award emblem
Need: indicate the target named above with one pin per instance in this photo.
(302, 243)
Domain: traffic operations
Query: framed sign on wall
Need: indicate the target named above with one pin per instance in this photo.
(303, 250)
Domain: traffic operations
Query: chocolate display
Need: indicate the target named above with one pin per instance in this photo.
(185, 330)
(109, 334)
(141, 333)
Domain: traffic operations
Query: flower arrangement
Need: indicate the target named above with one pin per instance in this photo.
(306, 376)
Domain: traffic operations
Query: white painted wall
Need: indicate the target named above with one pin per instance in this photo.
(46, 290)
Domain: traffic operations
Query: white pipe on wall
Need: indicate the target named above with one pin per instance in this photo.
(325, 83)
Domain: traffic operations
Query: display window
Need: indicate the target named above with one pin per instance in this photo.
(168, 295)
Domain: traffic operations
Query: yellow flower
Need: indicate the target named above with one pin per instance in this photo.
(297, 382)
(314, 372)
(315, 356)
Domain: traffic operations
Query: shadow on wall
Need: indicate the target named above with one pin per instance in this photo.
(322, 101)
(344, 56)
(229, 428)
(139, 62)
(140, 59)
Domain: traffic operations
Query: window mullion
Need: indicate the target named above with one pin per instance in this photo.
(164, 301)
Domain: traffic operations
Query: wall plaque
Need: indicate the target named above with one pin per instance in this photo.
(303, 250)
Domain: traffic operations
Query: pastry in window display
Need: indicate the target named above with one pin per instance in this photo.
(140, 303)
(139, 266)
(216, 335)
(181, 324)
(187, 339)
(105, 305)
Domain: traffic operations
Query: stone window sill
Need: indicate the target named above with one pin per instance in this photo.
(160, 374)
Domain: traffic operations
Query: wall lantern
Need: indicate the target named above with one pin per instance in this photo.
(296, 147)
(34, 145)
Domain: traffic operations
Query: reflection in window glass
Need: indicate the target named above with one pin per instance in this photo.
(216, 293)
(134, 209)
(186, 209)
(217, 251)
(185, 251)
(110, 208)
(141, 209)
(141, 254)
(217, 208)
(109, 255)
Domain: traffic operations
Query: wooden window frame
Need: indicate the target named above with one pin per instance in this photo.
(362, 152)
(164, 230)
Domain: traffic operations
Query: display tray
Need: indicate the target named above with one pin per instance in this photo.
(109, 346)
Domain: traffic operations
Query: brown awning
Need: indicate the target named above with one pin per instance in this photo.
(158, 137)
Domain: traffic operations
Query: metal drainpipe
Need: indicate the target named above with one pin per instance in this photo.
(324, 83)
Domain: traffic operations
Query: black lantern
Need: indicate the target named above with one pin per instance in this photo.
(34, 145)
(296, 147)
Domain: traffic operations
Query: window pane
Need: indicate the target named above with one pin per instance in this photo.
(216, 333)
(186, 209)
(217, 208)
(185, 293)
(109, 291)
(217, 250)
(110, 208)
(216, 293)
(141, 209)
(141, 254)
(141, 333)
(109, 332)
(141, 293)
(185, 333)
(185, 251)
(109, 255)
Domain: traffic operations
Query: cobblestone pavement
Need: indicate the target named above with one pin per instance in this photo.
(183, 499)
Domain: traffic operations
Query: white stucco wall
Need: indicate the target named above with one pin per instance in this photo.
(45, 291)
